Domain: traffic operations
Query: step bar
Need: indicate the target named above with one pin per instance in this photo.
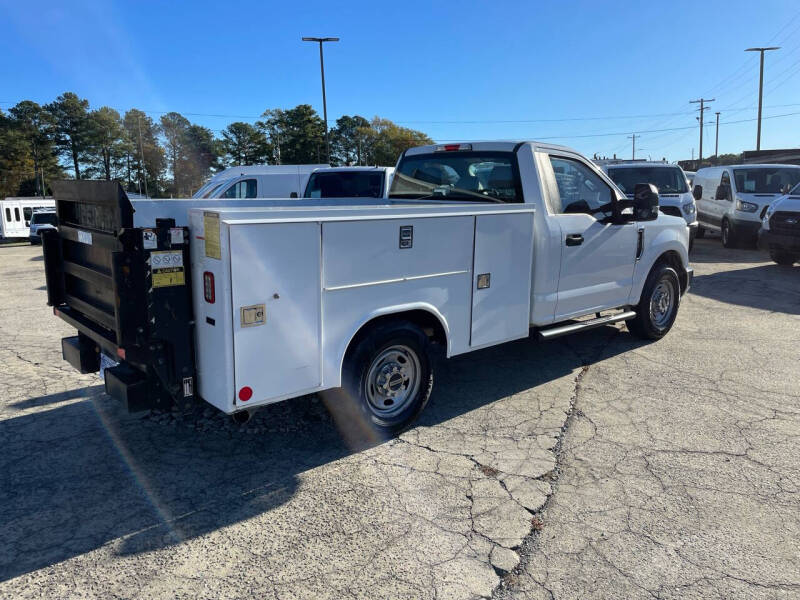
(554, 332)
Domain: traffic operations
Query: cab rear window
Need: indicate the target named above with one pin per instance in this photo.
(475, 176)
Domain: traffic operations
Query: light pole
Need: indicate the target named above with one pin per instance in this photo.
(716, 139)
(321, 41)
(761, 87)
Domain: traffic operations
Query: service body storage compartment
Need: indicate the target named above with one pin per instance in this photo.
(284, 291)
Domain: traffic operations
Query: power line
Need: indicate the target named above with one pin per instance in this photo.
(617, 133)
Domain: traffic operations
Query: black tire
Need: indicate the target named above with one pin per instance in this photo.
(728, 235)
(785, 259)
(362, 407)
(701, 232)
(646, 324)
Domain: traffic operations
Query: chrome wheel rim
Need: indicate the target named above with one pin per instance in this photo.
(662, 303)
(392, 381)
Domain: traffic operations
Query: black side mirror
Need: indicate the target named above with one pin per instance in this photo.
(697, 192)
(645, 202)
(723, 192)
(293, 195)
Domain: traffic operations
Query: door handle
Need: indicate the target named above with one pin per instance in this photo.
(574, 239)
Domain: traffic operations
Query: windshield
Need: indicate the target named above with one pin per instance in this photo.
(668, 180)
(48, 218)
(478, 176)
(766, 180)
(345, 184)
(208, 192)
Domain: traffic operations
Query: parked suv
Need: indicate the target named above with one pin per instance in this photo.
(734, 199)
(780, 229)
(674, 195)
(41, 219)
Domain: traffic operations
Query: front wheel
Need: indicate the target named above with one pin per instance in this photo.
(386, 381)
(728, 237)
(658, 306)
(785, 259)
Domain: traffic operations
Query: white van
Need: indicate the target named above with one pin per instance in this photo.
(734, 199)
(15, 215)
(349, 182)
(674, 194)
(258, 181)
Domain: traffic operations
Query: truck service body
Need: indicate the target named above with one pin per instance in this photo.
(252, 304)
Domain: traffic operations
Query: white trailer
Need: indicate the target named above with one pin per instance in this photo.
(15, 215)
(247, 305)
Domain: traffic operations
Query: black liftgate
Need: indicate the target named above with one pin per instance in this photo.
(127, 291)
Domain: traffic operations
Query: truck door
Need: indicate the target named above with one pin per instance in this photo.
(597, 256)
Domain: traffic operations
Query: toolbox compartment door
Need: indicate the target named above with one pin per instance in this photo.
(501, 278)
(275, 283)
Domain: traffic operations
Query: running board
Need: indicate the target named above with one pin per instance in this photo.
(554, 332)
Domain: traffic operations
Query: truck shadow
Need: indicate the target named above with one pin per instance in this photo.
(712, 251)
(765, 287)
(83, 475)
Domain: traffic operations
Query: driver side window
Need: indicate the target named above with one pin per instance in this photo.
(580, 190)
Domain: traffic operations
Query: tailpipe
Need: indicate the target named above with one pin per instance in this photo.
(241, 417)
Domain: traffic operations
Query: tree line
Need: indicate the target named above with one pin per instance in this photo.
(172, 156)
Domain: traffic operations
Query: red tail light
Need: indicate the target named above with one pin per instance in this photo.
(208, 287)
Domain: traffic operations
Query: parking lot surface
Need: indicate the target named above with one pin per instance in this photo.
(592, 466)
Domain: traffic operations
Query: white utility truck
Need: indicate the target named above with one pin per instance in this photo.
(477, 244)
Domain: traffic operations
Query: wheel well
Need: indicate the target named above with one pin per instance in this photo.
(425, 320)
(673, 259)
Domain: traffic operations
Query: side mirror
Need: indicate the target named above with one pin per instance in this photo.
(293, 195)
(722, 192)
(645, 202)
(697, 192)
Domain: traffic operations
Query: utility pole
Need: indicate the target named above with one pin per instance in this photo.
(702, 102)
(761, 87)
(716, 139)
(633, 152)
(320, 41)
(142, 170)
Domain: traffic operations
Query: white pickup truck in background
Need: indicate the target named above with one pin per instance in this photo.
(477, 244)
(349, 182)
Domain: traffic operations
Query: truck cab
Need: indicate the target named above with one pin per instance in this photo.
(591, 253)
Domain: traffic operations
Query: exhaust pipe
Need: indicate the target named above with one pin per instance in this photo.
(241, 417)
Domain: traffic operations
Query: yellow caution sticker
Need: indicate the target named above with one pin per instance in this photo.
(167, 268)
(211, 234)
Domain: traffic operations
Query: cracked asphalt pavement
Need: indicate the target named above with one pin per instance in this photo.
(592, 466)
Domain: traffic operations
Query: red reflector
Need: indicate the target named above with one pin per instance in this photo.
(55, 311)
(208, 287)
(121, 353)
(245, 393)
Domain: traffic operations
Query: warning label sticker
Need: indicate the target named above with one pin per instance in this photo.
(167, 269)
(211, 234)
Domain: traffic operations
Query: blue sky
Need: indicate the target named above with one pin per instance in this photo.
(568, 72)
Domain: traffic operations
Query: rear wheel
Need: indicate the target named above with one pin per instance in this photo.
(728, 236)
(658, 306)
(386, 381)
(785, 259)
